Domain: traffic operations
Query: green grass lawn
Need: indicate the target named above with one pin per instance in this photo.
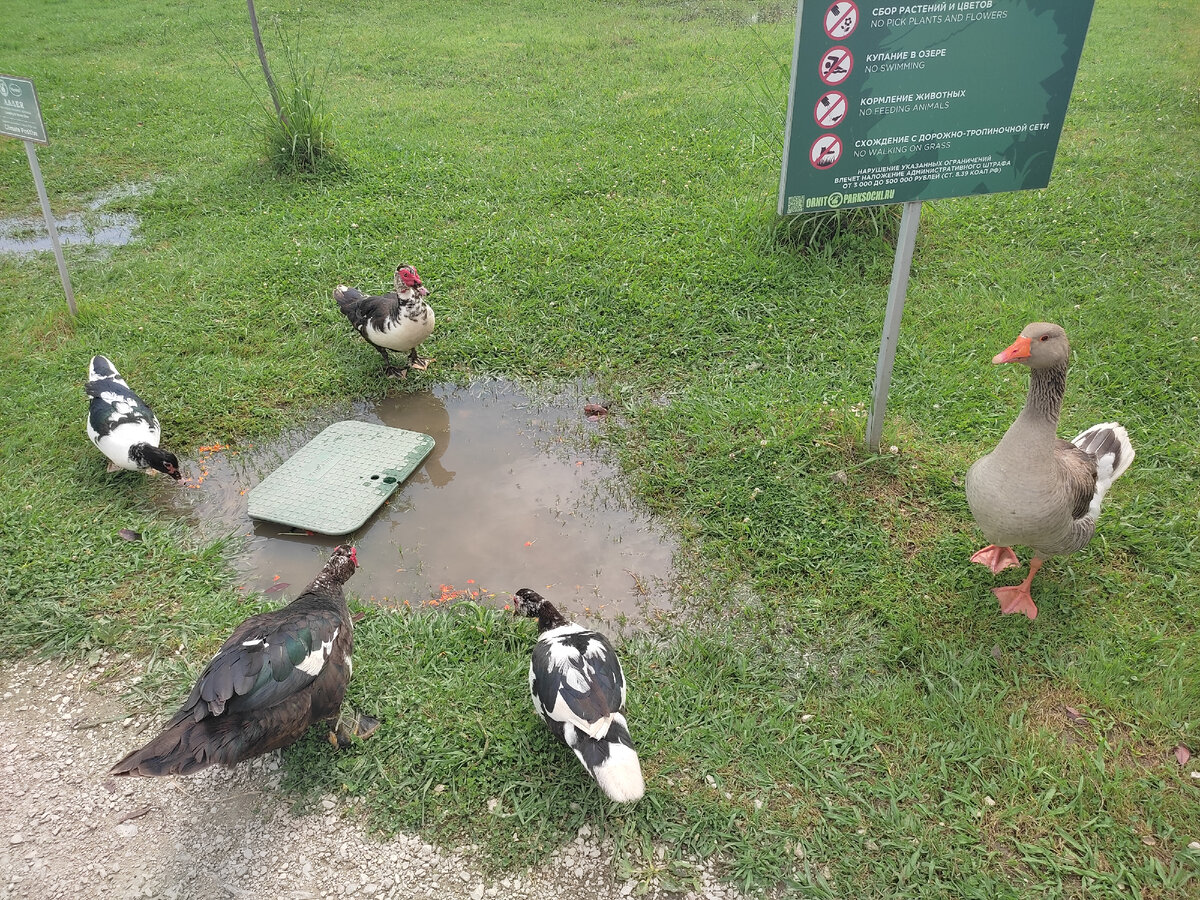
(838, 709)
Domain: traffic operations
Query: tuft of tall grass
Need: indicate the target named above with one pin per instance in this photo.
(300, 139)
(296, 125)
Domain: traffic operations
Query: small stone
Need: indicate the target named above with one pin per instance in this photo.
(799, 851)
(127, 829)
(807, 717)
(988, 801)
(477, 892)
(840, 476)
(17, 839)
(1194, 845)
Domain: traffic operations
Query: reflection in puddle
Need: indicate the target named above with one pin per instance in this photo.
(28, 235)
(507, 498)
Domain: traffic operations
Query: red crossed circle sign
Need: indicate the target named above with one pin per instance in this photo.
(836, 65)
(825, 151)
(841, 19)
(830, 109)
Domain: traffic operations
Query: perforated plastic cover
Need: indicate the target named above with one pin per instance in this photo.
(335, 482)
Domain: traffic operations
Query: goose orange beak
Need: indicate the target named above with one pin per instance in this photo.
(1019, 349)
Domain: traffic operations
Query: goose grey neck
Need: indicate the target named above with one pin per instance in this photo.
(1046, 389)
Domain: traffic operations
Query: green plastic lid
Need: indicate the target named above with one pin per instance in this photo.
(333, 483)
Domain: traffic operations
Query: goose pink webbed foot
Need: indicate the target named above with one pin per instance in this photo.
(1017, 598)
(996, 558)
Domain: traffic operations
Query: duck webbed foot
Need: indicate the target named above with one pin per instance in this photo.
(351, 726)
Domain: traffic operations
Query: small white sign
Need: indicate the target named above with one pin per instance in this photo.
(19, 113)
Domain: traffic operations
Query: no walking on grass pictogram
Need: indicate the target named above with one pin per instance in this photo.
(825, 151)
(836, 65)
(830, 109)
(841, 19)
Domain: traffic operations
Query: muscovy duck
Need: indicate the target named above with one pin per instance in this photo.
(1035, 489)
(277, 674)
(122, 426)
(578, 690)
(398, 320)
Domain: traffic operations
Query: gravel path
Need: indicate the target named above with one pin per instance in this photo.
(69, 830)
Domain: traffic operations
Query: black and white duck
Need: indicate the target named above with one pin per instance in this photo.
(399, 320)
(578, 690)
(122, 426)
(278, 673)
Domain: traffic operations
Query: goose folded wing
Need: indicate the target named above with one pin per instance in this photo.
(262, 664)
(1078, 468)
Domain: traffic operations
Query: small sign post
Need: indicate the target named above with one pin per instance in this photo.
(901, 103)
(21, 118)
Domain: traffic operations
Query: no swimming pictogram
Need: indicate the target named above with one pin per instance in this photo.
(830, 109)
(841, 19)
(836, 65)
(825, 151)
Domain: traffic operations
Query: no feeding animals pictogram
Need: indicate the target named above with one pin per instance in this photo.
(830, 109)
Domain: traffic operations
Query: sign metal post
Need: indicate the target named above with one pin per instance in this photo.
(906, 241)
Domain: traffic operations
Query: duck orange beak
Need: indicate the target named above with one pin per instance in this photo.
(1019, 349)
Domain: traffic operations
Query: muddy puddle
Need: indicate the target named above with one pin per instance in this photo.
(96, 227)
(511, 496)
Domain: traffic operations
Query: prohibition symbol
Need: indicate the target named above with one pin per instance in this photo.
(825, 151)
(830, 109)
(836, 65)
(841, 19)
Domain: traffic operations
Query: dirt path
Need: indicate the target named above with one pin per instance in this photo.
(68, 830)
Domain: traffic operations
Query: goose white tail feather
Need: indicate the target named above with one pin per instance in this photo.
(1109, 443)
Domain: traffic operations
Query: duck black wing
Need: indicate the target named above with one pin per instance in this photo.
(576, 679)
(360, 308)
(263, 663)
(113, 401)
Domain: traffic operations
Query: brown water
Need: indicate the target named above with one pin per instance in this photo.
(510, 497)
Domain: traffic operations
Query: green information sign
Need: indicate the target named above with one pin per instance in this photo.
(893, 103)
(19, 113)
